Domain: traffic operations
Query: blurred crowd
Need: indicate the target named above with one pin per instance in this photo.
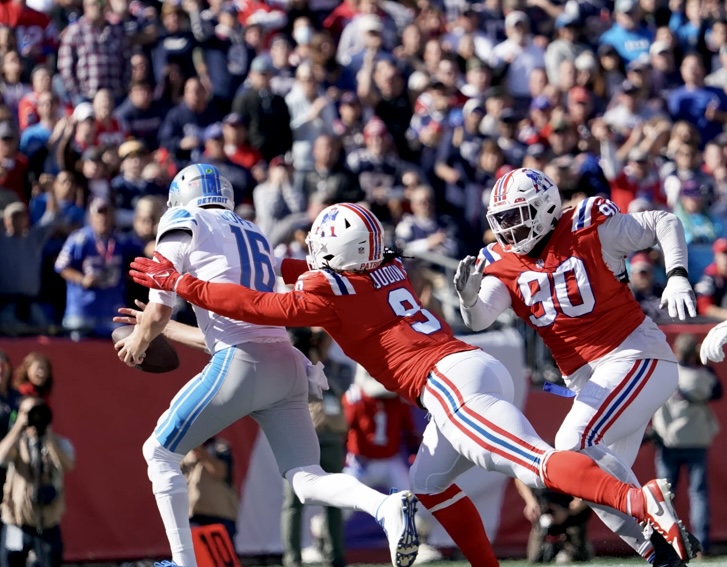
(414, 108)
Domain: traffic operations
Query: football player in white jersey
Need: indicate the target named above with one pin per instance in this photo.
(254, 371)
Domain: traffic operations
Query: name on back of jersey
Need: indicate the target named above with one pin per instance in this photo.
(387, 275)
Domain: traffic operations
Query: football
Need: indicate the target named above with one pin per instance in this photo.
(160, 356)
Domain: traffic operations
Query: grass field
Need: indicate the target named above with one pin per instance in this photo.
(601, 562)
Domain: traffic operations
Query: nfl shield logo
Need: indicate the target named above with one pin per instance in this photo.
(540, 264)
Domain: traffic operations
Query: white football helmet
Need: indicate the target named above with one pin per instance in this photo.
(201, 184)
(523, 199)
(346, 238)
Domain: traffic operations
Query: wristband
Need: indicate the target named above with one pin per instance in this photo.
(677, 272)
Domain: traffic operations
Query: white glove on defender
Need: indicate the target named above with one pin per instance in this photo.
(467, 280)
(679, 297)
(713, 343)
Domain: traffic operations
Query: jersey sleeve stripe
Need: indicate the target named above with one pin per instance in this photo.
(582, 217)
(344, 283)
(336, 282)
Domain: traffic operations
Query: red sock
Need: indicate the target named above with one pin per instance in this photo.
(578, 475)
(461, 520)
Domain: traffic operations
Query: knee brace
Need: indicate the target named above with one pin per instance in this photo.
(163, 468)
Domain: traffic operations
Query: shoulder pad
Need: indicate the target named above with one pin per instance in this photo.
(488, 255)
(176, 218)
(592, 212)
(324, 282)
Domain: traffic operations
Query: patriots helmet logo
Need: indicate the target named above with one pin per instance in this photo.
(328, 222)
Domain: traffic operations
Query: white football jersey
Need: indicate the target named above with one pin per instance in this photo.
(222, 248)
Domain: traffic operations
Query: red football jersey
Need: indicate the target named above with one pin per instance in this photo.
(36, 35)
(375, 425)
(375, 318)
(568, 294)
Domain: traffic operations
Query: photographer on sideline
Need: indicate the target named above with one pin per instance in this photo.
(33, 500)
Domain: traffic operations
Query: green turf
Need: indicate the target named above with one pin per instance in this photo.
(601, 562)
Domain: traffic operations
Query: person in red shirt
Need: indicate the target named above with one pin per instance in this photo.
(380, 426)
(109, 131)
(237, 148)
(36, 35)
(361, 295)
(40, 82)
(14, 169)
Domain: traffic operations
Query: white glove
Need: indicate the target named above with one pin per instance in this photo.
(467, 280)
(317, 381)
(679, 297)
(713, 343)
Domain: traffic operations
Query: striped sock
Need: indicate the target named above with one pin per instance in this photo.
(461, 520)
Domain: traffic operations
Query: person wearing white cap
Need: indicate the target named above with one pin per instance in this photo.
(518, 53)
(356, 36)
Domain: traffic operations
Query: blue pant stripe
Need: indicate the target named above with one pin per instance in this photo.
(215, 387)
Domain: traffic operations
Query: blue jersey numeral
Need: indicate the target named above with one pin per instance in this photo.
(255, 258)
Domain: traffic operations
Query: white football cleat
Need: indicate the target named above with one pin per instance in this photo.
(661, 515)
(396, 516)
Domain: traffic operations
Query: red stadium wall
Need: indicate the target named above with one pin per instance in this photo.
(107, 411)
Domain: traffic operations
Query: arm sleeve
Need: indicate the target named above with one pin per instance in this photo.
(493, 300)
(623, 234)
(291, 269)
(295, 309)
(174, 246)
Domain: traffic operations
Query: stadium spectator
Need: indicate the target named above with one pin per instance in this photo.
(141, 115)
(34, 377)
(311, 115)
(329, 178)
(237, 148)
(212, 496)
(35, 140)
(265, 113)
(629, 35)
(685, 427)
(21, 255)
(130, 186)
(703, 106)
(559, 526)
(711, 289)
(34, 501)
(14, 168)
(93, 263)
(182, 132)
(644, 286)
(276, 198)
(93, 55)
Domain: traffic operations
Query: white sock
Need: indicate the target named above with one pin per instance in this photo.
(170, 490)
(626, 527)
(316, 487)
